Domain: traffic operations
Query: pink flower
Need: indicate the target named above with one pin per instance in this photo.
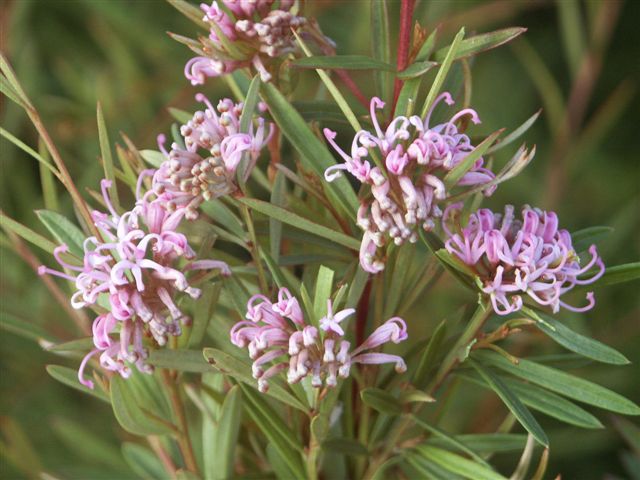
(529, 256)
(252, 33)
(278, 338)
(135, 268)
(406, 196)
(206, 167)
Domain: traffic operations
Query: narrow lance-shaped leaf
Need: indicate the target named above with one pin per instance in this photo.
(143, 461)
(65, 231)
(512, 402)
(70, 378)
(297, 221)
(343, 62)
(313, 152)
(442, 73)
(324, 285)
(516, 134)
(228, 431)
(574, 341)
(563, 383)
(480, 43)
(246, 118)
(130, 415)
(182, 360)
(458, 464)
(583, 239)
(453, 176)
(274, 428)
(26, 233)
(107, 157)
(381, 401)
(241, 372)
(380, 43)
(278, 195)
(545, 402)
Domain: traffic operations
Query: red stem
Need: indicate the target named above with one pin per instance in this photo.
(406, 17)
(362, 313)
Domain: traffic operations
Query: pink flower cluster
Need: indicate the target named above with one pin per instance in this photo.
(133, 271)
(404, 196)
(529, 256)
(242, 33)
(206, 167)
(278, 338)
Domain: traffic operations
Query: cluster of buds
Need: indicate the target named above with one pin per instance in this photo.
(405, 193)
(530, 256)
(243, 33)
(213, 148)
(133, 266)
(278, 338)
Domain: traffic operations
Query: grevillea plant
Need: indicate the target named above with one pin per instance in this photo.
(254, 296)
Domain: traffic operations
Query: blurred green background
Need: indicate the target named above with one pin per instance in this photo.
(578, 60)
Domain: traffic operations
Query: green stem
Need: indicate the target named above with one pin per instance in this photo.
(255, 252)
(178, 409)
(471, 330)
(475, 324)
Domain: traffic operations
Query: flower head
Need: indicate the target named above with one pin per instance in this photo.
(531, 256)
(213, 147)
(134, 267)
(243, 33)
(279, 339)
(405, 194)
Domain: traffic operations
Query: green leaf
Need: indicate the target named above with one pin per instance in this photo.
(64, 231)
(87, 444)
(409, 92)
(583, 239)
(69, 377)
(107, 157)
(190, 11)
(449, 440)
(416, 69)
(358, 285)
(324, 286)
(380, 43)
(381, 401)
(248, 109)
(545, 402)
(457, 464)
(618, 274)
(487, 443)
(344, 446)
(129, 414)
(345, 62)
(180, 115)
(575, 342)
(276, 431)
(204, 309)
(79, 345)
(143, 461)
(516, 134)
(481, 43)
(278, 198)
(512, 402)
(442, 73)
(297, 221)
(26, 233)
(152, 157)
(7, 90)
(454, 175)
(241, 371)
(278, 463)
(27, 149)
(430, 354)
(227, 432)
(181, 360)
(562, 383)
(223, 215)
(314, 153)
(435, 244)
(24, 328)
